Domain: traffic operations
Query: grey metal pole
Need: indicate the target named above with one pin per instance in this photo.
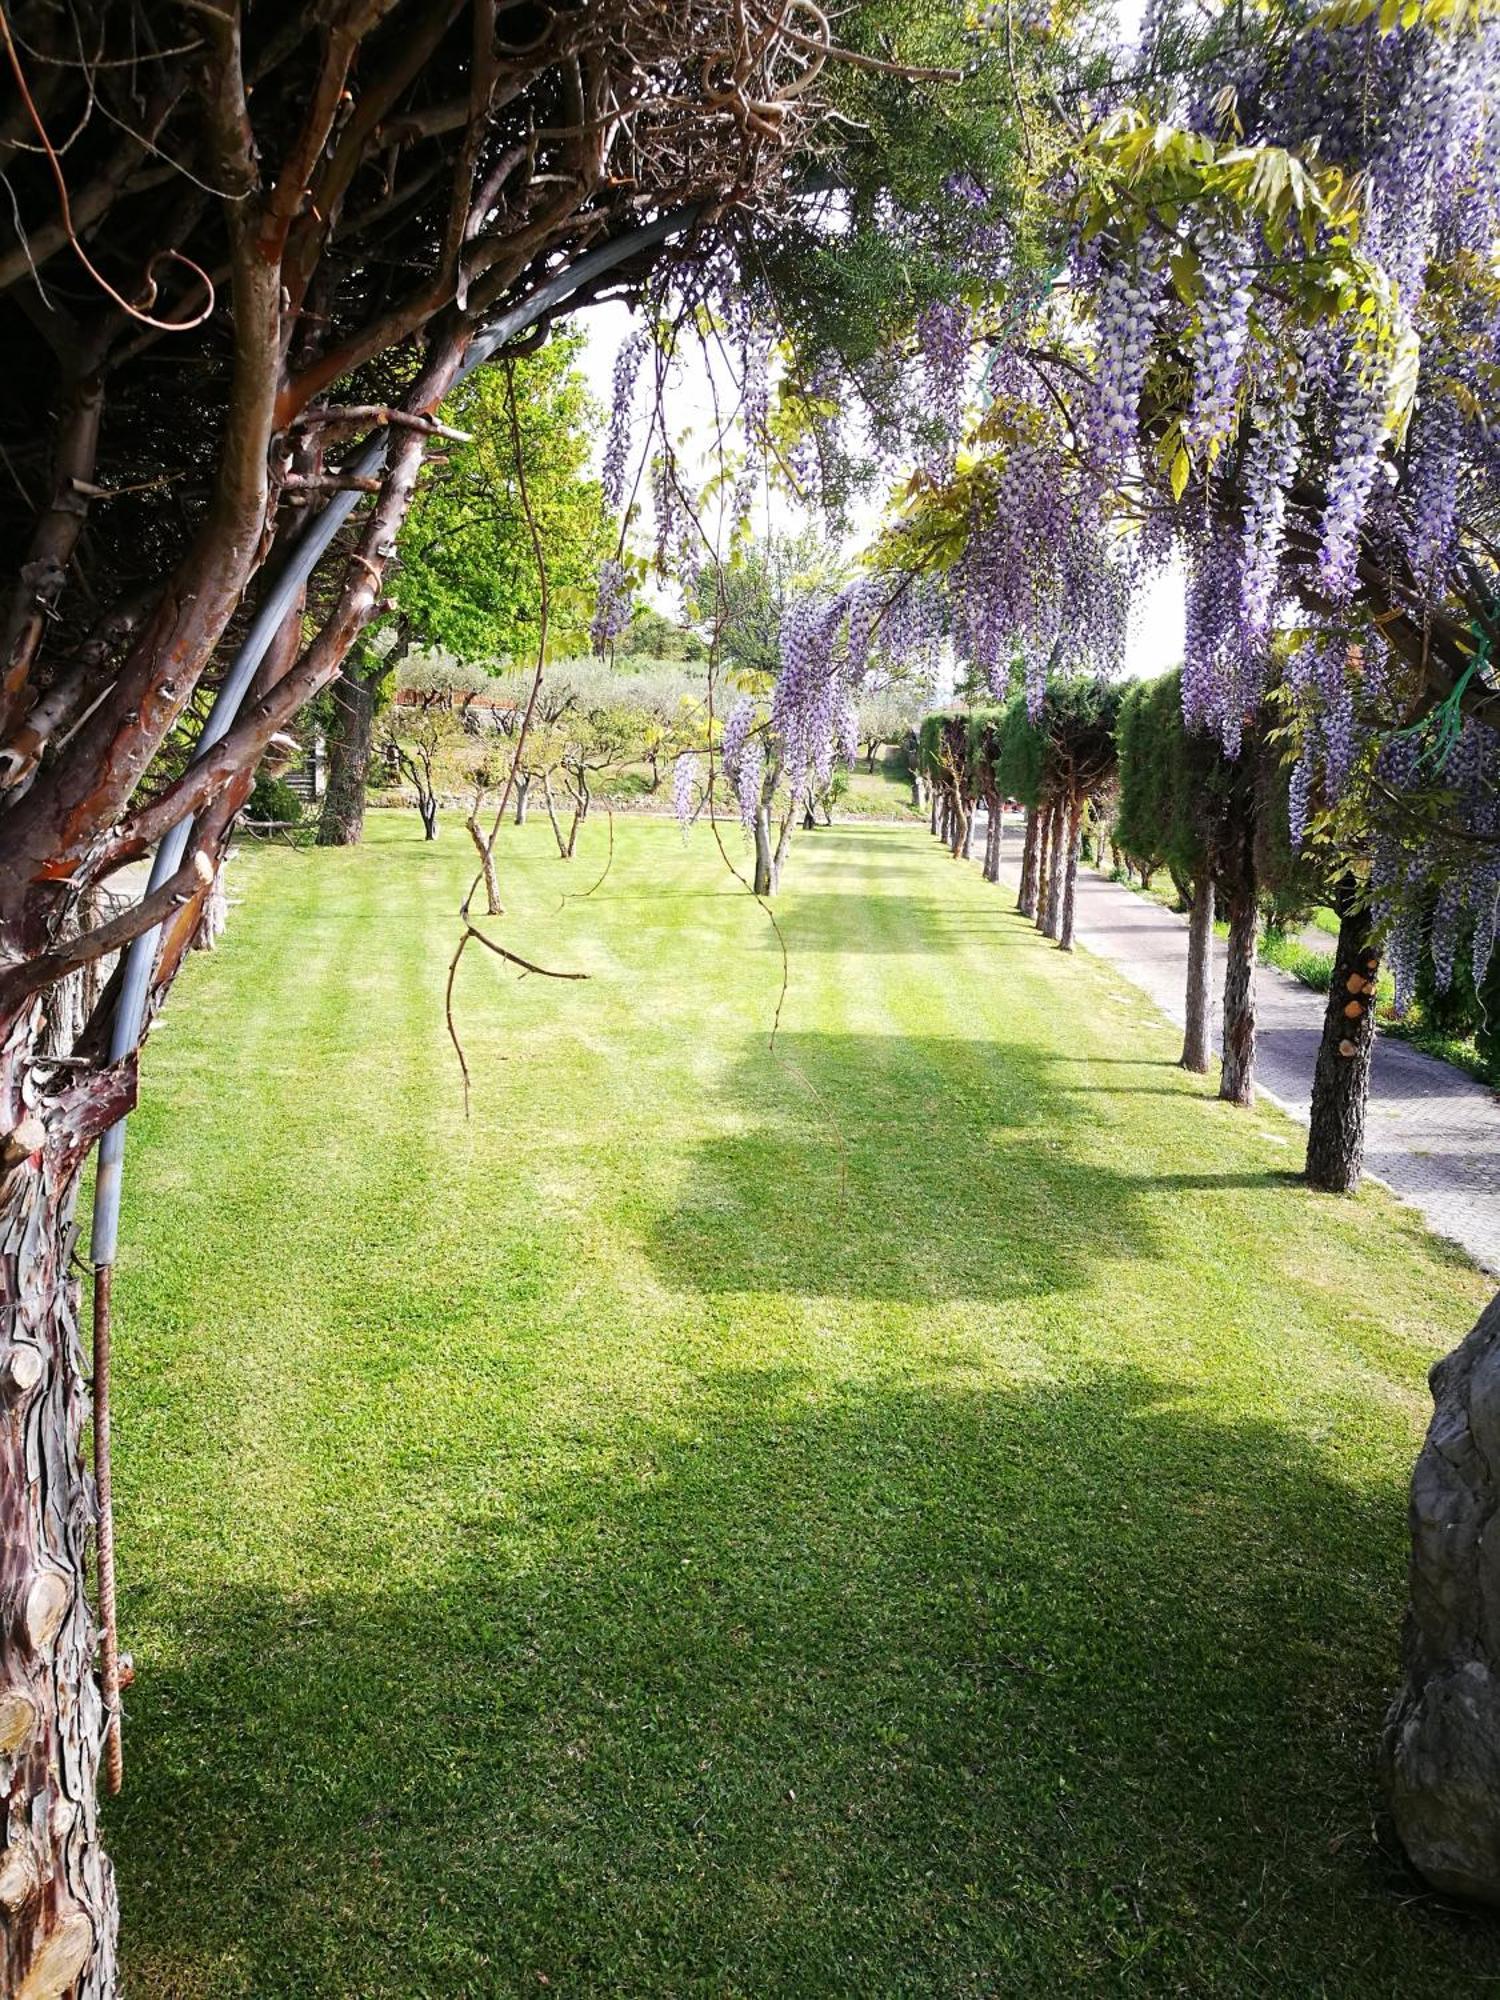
(140, 955)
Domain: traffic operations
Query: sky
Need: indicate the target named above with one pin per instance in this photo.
(1156, 635)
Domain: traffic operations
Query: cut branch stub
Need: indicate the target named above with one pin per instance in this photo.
(44, 1607)
(24, 1368)
(20, 1877)
(67, 1950)
(18, 1713)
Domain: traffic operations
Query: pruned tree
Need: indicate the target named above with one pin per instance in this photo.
(1055, 757)
(1163, 773)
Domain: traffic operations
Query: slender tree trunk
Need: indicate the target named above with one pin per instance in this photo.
(487, 863)
(783, 845)
(427, 806)
(1056, 861)
(1026, 893)
(57, 1892)
(523, 793)
(917, 798)
(969, 812)
(763, 854)
(1043, 864)
(551, 805)
(1237, 1080)
(1070, 879)
(1195, 1040)
(351, 736)
(1341, 1081)
(933, 820)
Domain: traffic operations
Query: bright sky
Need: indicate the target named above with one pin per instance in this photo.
(1156, 637)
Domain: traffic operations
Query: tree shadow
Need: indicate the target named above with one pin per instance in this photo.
(894, 925)
(906, 1686)
(1002, 1196)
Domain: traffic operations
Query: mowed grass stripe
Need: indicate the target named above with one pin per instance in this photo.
(680, 1532)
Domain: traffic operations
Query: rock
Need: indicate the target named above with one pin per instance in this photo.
(1443, 1732)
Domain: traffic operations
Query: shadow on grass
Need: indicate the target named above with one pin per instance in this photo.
(1001, 1196)
(905, 1688)
(915, 926)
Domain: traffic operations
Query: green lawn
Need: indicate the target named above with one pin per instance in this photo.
(884, 793)
(918, 1512)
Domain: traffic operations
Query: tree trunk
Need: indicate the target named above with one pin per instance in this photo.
(1341, 1081)
(1237, 1079)
(1043, 867)
(934, 815)
(763, 856)
(1026, 893)
(783, 844)
(992, 842)
(1070, 879)
(487, 863)
(551, 805)
(1195, 1040)
(1056, 860)
(1442, 1741)
(57, 1893)
(523, 792)
(351, 736)
(427, 806)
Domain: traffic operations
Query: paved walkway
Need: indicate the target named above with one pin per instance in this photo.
(1433, 1134)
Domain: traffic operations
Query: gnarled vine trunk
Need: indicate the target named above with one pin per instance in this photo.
(764, 857)
(351, 737)
(1442, 1743)
(57, 1893)
(1341, 1081)
(1197, 1006)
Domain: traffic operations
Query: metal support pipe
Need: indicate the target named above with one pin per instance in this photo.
(306, 552)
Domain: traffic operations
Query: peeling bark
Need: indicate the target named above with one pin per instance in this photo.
(57, 1892)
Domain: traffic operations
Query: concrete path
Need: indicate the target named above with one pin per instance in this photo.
(1433, 1134)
